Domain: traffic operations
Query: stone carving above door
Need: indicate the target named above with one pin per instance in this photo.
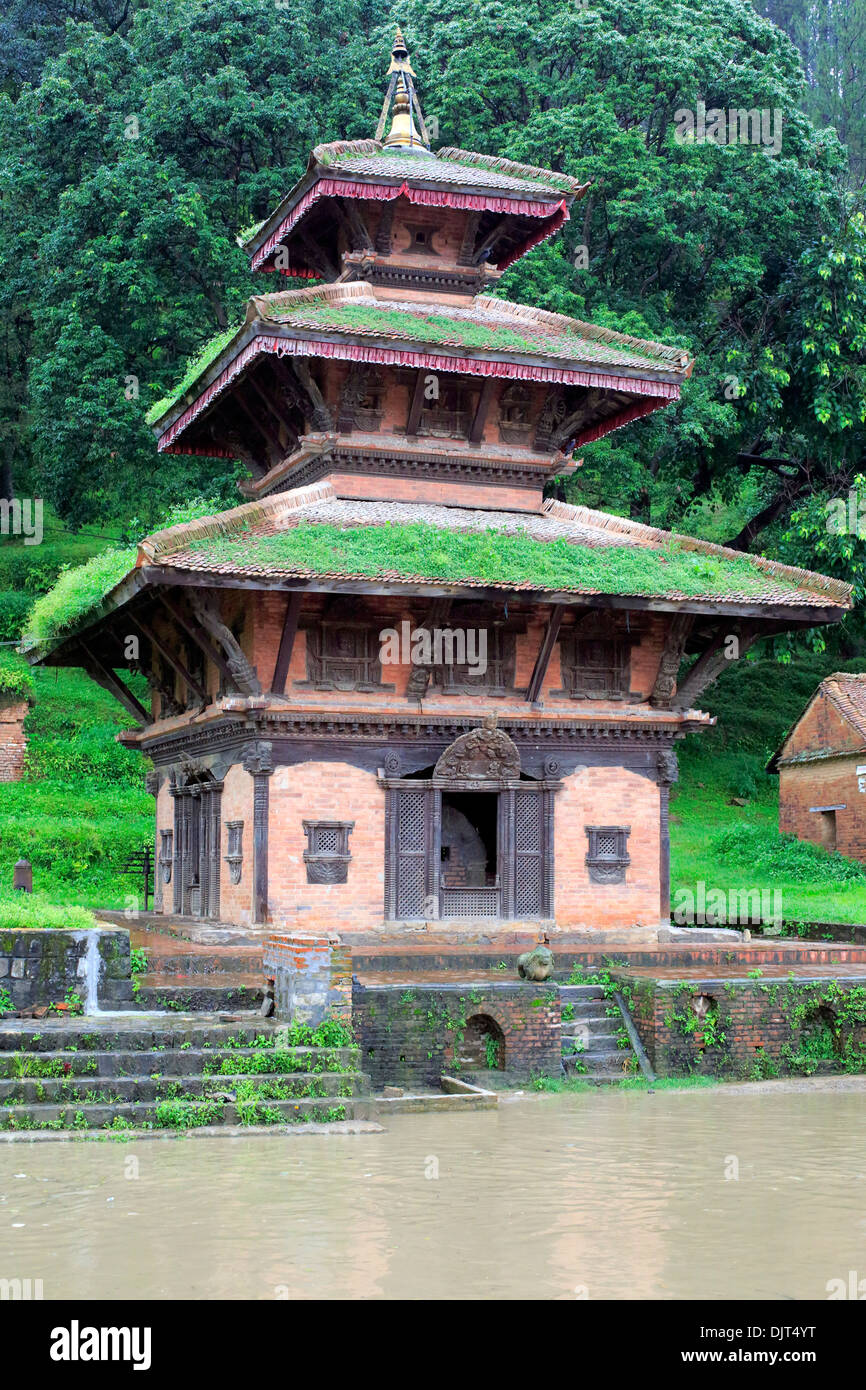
(483, 755)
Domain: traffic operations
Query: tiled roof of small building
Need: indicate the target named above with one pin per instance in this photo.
(848, 693)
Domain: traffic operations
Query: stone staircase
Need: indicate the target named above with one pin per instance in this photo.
(126, 1073)
(591, 1032)
(191, 976)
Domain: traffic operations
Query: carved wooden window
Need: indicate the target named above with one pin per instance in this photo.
(361, 400)
(235, 854)
(607, 857)
(327, 854)
(344, 656)
(595, 667)
(492, 676)
(515, 405)
(450, 415)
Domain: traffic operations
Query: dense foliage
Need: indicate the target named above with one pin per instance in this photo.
(142, 138)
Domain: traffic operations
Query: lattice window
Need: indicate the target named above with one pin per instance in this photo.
(327, 854)
(607, 857)
(470, 902)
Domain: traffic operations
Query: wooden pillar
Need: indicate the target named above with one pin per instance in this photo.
(666, 763)
(258, 762)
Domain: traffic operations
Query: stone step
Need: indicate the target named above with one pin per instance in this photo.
(162, 967)
(594, 1028)
(593, 1008)
(174, 1114)
(193, 996)
(572, 994)
(607, 1060)
(179, 1061)
(119, 1090)
(125, 1032)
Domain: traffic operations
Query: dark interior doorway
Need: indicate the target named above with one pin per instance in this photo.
(469, 846)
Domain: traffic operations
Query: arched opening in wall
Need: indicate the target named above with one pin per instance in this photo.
(827, 830)
(483, 1045)
(819, 1036)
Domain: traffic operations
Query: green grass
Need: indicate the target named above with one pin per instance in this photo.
(418, 549)
(16, 681)
(76, 592)
(82, 805)
(739, 847)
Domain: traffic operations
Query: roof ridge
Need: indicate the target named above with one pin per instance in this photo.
(530, 314)
(174, 538)
(334, 149)
(352, 289)
(801, 578)
(511, 166)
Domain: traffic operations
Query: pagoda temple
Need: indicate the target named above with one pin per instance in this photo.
(400, 685)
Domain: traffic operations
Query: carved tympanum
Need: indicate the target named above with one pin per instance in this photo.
(482, 755)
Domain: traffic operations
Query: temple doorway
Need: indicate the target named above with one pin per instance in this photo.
(469, 854)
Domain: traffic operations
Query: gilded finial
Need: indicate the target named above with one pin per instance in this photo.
(404, 134)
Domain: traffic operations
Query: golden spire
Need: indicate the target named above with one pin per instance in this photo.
(404, 134)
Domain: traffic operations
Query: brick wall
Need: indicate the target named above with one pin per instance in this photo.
(13, 743)
(410, 1036)
(765, 1024)
(312, 977)
(825, 782)
(326, 791)
(606, 796)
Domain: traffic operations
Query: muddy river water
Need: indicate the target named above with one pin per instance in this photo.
(755, 1192)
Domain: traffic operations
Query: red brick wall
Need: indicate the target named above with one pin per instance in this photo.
(822, 729)
(825, 782)
(237, 804)
(326, 791)
(607, 796)
(13, 744)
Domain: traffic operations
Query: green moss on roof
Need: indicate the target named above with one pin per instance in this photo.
(421, 551)
(76, 592)
(543, 339)
(198, 364)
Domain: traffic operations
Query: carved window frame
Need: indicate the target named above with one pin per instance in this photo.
(607, 857)
(498, 679)
(320, 661)
(327, 855)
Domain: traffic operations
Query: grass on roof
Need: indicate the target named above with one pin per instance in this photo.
(75, 594)
(460, 332)
(198, 364)
(421, 550)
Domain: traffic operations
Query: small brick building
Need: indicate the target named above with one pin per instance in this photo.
(822, 768)
(13, 741)
(406, 434)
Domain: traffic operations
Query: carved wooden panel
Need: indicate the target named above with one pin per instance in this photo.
(327, 854)
(607, 857)
(344, 656)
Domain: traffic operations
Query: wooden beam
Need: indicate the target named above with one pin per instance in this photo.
(714, 660)
(275, 411)
(417, 405)
(270, 440)
(287, 642)
(492, 237)
(112, 683)
(545, 652)
(317, 256)
(672, 654)
(198, 635)
(166, 652)
(320, 413)
(476, 433)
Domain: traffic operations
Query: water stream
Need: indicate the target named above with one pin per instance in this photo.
(744, 1192)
